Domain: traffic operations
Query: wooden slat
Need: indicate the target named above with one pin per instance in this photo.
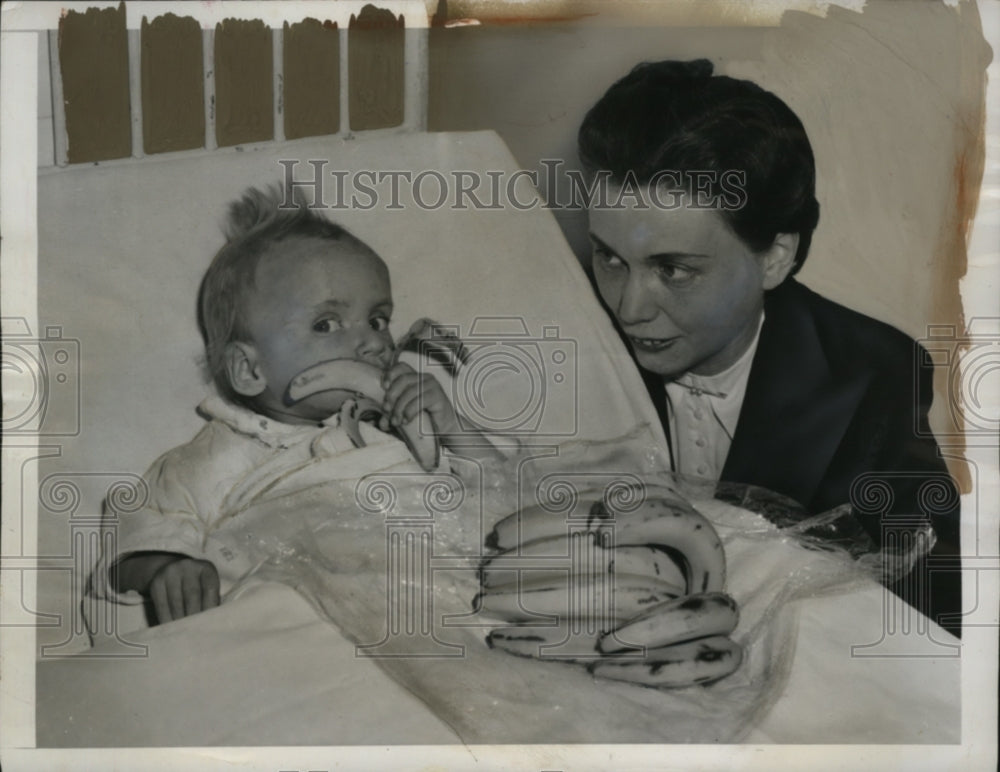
(278, 85)
(93, 60)
(376, 45)
(312, 79)
(135, 90)
(59, 138)
(208, 78)
(244, 109)
(173, 97)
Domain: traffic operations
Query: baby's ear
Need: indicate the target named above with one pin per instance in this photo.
(241, 367)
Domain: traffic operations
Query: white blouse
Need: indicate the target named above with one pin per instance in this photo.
(703, 411)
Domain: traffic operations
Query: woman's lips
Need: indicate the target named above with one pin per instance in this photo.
(652, 344)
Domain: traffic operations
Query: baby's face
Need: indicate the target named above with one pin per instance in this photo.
(314, 300)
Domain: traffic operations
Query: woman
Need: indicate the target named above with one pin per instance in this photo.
(706, 213)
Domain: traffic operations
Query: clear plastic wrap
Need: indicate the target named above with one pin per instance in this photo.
(392, 561)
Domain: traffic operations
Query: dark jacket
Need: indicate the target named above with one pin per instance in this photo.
(835, 412)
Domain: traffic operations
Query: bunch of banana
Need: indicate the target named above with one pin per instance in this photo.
(635, 595)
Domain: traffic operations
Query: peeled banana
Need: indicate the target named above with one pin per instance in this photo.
(342, 379)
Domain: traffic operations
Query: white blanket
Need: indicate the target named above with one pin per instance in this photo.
(266, 669)
(397, 578)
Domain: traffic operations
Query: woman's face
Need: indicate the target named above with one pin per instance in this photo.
(686, 290)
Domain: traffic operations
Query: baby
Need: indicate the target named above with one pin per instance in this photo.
(288, 290)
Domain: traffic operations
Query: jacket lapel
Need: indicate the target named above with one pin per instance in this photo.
(796, 408)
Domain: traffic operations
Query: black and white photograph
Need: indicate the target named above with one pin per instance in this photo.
(500, 384)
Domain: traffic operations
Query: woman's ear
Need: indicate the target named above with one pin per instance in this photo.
(241, 367)
(779, 259)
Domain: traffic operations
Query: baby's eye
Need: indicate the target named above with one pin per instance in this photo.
(323, 325)
(379, 323)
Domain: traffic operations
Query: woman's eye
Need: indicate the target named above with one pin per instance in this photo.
(675, 273)
(607, 258)
(379, 323)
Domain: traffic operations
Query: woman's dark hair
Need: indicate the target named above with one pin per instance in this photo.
(678, 118)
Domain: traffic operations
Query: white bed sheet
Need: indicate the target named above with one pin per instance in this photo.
(266, 670)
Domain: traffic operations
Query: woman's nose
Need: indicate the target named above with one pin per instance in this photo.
(635, 304)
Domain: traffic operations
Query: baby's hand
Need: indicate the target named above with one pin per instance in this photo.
(407, 392)
(183, 587)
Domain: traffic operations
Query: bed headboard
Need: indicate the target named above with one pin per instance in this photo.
(142, 79)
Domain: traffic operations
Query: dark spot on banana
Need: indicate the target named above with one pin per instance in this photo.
(656, 667)
(693, 603)
(711, 655)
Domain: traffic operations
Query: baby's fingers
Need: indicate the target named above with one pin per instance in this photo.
(395, 373)
(210, 589)
(161, 604)
(175, 597)
(191, 590)
(407, 407)
(397, 382)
